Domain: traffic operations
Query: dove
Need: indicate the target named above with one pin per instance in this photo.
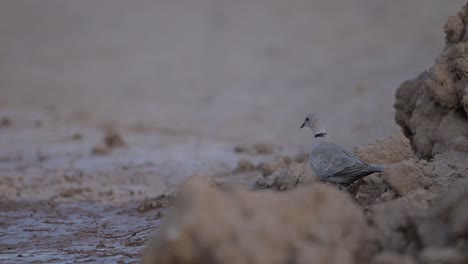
(331, 162)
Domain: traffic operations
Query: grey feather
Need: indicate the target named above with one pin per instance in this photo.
(330, 162)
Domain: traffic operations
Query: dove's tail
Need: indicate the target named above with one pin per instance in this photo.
(375, 168)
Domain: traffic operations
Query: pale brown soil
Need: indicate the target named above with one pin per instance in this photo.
(105, 108)
(61, 201)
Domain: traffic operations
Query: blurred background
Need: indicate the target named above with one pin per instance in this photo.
(231, 70)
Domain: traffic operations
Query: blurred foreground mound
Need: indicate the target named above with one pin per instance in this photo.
(308, 225)
(315, 224)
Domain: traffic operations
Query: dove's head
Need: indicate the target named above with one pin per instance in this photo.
(311, 121)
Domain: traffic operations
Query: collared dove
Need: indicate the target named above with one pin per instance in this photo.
(332, 163)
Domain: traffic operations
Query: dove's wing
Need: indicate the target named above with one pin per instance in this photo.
(330, 160)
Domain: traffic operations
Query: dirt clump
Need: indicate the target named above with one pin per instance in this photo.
(100, 150)
(111, 139)
(432, 109)
(284, 174)
(395, 224)
(407, 176)
(390, 150)
(245, 165)
(372, 189)
(450, 218)
(408, 217)
(317, 224)
(269, 167)
(435, 232)
(161, 201)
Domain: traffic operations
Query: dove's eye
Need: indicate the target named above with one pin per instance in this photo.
(307, 119)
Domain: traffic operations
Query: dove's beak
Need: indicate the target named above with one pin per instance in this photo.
(303, 125)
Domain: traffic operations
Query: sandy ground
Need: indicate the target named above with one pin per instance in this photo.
(183, 83)
(236, 70)
(66, 196)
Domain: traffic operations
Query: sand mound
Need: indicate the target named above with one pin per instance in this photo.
(432, 108)
(308, 225)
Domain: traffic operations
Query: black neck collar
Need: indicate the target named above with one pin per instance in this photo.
(320, 134)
